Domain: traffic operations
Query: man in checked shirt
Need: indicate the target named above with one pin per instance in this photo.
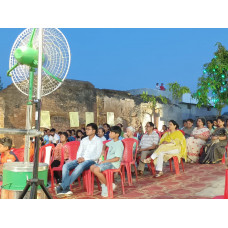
(147, 146)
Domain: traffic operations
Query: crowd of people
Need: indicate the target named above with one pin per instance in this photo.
(204, 143)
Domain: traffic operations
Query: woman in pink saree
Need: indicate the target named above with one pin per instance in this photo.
(198, 138)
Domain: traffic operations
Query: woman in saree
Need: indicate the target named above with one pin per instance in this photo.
(172, 143)
(198, 138)
(215, 149)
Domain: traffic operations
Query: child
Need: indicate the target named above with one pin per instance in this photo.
(113, 161)
(6, 154)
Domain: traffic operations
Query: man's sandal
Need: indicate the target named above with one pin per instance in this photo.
(159, 174)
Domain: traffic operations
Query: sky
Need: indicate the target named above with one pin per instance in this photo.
(123, 59)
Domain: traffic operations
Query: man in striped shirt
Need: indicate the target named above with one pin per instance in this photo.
(148, 144)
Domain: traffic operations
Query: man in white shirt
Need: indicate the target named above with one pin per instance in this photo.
(101, 133)
(147, 145)
(88, 153)
(54, 138)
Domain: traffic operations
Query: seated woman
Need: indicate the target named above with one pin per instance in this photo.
(164, 129)
(215, 149)
(79, 135)
(210, 126)
(57, 154)
(198, 138)
(172, 143)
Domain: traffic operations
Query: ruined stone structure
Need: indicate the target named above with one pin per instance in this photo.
(81, 97)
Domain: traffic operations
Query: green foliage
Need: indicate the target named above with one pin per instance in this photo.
(213, 82)
(152, 100)
(177, 90)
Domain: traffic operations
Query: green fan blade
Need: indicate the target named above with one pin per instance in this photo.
(50, 74)
(8, 72)
(31, 38)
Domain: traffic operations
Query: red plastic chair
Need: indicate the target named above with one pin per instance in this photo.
(54, 169)
(225, 154)
(72, 147)
(128, 158)
(109, 174)
(182, 132)
(19, 153)
(92, 174)
(176, 164)
(42, 152)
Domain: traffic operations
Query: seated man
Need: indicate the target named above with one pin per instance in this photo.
(88, 153)
(113, 160)
(6, 154)
(189, 128)
(101, 133)
(53, 137)
(147, 145)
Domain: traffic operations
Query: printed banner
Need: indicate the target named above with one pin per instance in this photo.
(45, 120)
(74, 120)
(110, 118)
(89, 117)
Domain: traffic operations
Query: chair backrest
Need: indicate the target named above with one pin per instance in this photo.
(45, 153)
(73, 149)
(128, 149)
(104, 142)
(19, 153)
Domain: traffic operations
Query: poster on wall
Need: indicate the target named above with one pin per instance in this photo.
(89, 117)
(74, 119)
(110, 118)
(45, 120)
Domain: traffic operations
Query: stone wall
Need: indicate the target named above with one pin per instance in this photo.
(81, 97)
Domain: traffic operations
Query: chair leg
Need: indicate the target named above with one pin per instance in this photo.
(152, 167)
(176, 165)
(223, 159)
(109, 182)
(92, 184)
(122, 183)
(135, 172)
(182, 163)
(123, 171)
(170, 164)
(52, 180)
(128, 168)
(98, 184)
(226, 185)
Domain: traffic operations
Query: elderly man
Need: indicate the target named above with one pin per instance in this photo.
(147, 145)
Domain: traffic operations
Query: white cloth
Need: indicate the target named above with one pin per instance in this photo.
(160, 156)
(149, 140)
(54, 139)
(90, 149)
(103, 139)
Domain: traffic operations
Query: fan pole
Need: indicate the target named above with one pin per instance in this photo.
(29, 115)
(35, 182)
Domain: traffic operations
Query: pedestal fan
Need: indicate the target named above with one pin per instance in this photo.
(39, 63)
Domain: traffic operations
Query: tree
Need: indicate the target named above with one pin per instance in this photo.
(153, 102)
(1, 85)
(177, 90)
(212, 86)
